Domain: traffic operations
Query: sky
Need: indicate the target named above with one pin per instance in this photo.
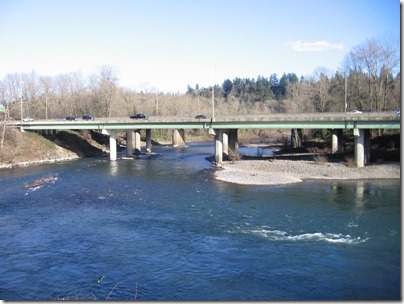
(166, 45)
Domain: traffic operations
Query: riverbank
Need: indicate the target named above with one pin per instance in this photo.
(280, 171)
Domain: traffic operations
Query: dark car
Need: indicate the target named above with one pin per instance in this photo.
(71, 118)
(87, 117)
(139, 116)
(201, 116)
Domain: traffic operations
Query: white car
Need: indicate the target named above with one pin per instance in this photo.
(356, 112)
(27, 119)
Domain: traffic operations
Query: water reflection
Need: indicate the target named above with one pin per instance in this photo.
(360, 193)
(113, 168)
(360, 189)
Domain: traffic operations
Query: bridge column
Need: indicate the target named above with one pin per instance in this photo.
(112, 145)
(334, 141)
(367, 145)
(138, 147)
(148, 141)
(178, 138)
(233, 141)
(362, 147)
(129, 143)
(226, 143)
(219, 146)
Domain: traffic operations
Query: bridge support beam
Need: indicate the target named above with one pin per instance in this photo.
(334, 141)
(233, 141)
(137, 142)
(219, 147)
(129, 143)
(362, 147)
(178, 138)
(226, 143)
(112, 145)
(230, 142)
(148, 141)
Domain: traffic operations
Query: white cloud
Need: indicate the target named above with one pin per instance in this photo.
(315, 46)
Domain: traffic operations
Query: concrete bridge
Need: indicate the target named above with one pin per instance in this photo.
(225, 128)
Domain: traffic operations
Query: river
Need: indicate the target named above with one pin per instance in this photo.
(159, 227)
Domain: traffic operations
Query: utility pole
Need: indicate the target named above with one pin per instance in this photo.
(213, 94)
(157, 104)
(21, 105)
(46, 103)
(346, 86)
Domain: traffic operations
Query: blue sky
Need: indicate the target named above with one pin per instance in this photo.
(165, 45)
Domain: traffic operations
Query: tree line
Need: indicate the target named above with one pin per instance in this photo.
(366, 82)
(367, 79)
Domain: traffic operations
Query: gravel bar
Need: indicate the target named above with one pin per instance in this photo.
(279, 172)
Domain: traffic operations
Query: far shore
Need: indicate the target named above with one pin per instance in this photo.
(36, 162)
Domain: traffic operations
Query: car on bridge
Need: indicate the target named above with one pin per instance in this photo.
(71, 118)
(201, 116)
(139, 116)
(87, 117)
(28, 119)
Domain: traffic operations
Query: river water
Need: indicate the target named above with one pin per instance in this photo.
(159, 227)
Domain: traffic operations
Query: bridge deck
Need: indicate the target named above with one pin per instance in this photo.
(371, 120)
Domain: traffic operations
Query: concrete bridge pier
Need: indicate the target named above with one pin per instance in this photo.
(137, 142)
(129, 143)
(148, 141)
(226, 143)
(218, 147)
(230, 142)
(112, 145)
(178, 138)
(334, 141)
(233, 141)
(362, 147)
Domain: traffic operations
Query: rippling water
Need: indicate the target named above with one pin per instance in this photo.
(161, 228)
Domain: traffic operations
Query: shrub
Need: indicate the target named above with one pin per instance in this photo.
(320, 159)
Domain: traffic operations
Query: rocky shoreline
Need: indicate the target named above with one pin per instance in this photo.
(36, 162)
(279, 172)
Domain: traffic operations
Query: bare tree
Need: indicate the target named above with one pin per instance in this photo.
(378, 59)
(321, 84)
